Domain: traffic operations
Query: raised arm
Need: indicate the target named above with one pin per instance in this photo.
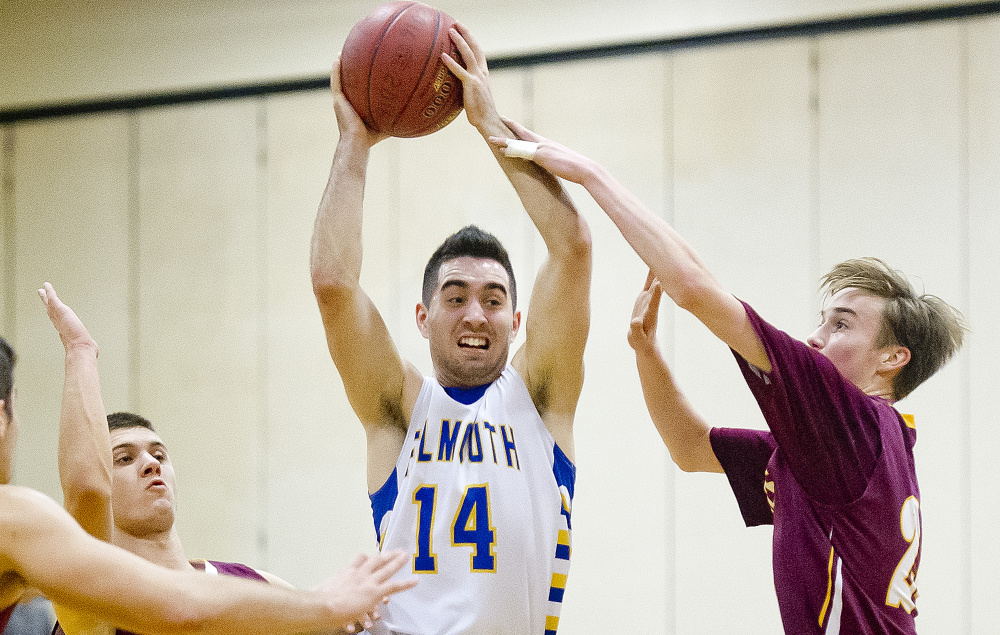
(683, 431)
(84, 441)
(42, 546)
(681, 272)
(551, 361)
(379, 384)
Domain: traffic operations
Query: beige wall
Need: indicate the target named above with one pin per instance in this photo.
(52, 51)
(181, 237)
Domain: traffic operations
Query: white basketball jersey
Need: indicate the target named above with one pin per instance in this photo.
(481, 497)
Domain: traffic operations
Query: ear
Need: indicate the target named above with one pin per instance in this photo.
(893, 359)
(422, 320)
(515, 325)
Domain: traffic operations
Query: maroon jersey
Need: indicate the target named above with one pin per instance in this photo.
(222, 568)
(5, 616)
(836, 478)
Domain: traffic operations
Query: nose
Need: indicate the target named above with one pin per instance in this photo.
(816, 339)
(150, 466)
(474, 314)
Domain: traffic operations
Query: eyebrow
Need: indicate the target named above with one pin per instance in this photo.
(128, 445)
(838, 310)
(490, 286)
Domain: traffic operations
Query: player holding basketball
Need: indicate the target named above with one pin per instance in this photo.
(117, 478)
(835, 473)
(42, 547)
(470, 470)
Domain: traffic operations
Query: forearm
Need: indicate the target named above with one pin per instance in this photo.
(681, 272)
(549, 206)
(684, 431)
(178, 602)
(240, 607)
(45, 548)
(336, 251)
(84, 454)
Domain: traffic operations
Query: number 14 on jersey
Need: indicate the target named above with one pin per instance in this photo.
(472, 527)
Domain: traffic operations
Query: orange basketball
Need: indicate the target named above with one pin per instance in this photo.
(391, 70)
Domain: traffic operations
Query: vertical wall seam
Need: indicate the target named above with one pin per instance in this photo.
(133, 259)
(965, 359)
(528, 106)
(262, 164)
(394, 243)
(8, 256)
(815, 157)
(669, 202)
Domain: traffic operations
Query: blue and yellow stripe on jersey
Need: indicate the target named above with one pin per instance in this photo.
(565, 473)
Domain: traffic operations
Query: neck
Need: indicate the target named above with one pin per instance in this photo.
(162, 548)
(878, 387)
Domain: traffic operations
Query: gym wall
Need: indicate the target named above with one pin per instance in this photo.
(180, 234)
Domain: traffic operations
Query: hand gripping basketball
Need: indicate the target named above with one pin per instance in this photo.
(392, 74)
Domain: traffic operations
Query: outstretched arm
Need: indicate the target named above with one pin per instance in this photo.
(684, 432)
(42, 546)
(551, 361)
(681, 272)
(379, 384)
(84, 441)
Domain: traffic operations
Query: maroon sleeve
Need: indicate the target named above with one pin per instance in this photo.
(5, 616)
(824, 425)
(237, 570)
(744, 454)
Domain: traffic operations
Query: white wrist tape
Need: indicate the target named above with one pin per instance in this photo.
(520, 149)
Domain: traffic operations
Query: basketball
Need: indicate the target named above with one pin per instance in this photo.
(391, 70)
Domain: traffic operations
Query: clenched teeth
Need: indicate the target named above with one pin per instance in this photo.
(473, 342)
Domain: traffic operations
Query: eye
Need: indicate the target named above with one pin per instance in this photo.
(123, 459)
(840, 325)
(160, 456)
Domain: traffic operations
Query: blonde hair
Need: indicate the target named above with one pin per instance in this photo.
(928, 326)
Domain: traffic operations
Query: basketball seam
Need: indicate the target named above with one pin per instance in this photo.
(371, 63)
(430, 54)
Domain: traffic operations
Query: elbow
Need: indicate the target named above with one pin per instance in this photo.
(684, 463)
(89, 495)
(188, 614)
(576, 245)
(694, 292)
(330, 290)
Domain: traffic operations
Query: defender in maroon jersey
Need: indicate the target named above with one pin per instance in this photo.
(42, 547)
(835, 473)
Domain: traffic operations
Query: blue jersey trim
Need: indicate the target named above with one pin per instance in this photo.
(562, 552)
(564, 470)
(565, 473)
(466, 396)
(382, 501)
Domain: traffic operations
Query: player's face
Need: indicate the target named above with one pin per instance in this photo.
(8, 439)
(847, 334)
(142, 483)
(470, 323)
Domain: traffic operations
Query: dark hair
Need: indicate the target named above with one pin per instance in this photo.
(468, 241)
(121, 420)
(7, 360)
(928, 326)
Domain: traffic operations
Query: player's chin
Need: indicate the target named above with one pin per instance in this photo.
(481, 371)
